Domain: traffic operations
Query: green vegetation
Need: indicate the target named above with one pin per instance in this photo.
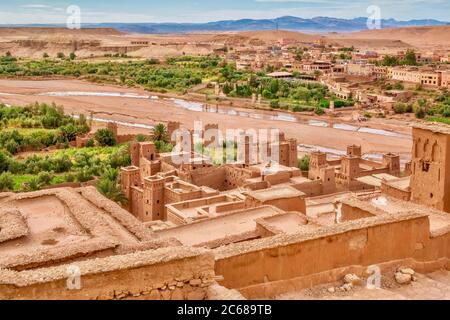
(408, 60)
(219, 156)
(109, 186)
(69, 165)
(439, 119)
(178, 74)
(105, 137)
(37, 126)
(401, 108)
(437, 109)
(303, 163)
(160, 137)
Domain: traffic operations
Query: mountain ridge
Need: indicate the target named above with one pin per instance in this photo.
(291, 23)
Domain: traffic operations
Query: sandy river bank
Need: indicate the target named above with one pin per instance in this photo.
(137, 107)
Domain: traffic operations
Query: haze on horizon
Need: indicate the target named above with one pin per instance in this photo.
(200, 11)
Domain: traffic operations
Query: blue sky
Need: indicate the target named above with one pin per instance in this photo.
(44, 11)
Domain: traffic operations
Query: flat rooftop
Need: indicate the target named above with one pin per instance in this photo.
(238, 225)
(52, 226)
(275, 193)
(434, 127)
(400, 183)
(290, 223)
(203, 207)
(376, 179)
(379, 203)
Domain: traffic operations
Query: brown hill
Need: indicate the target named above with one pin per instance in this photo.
(39, 31)
(277, 35)
(416, 36)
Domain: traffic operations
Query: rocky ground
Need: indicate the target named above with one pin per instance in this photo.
(404, 284)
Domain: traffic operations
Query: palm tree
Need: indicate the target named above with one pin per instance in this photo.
(159, 133)
(111, 174)
(111, 190)
(109, 186)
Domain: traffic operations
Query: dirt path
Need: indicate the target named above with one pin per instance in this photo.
(135, 108)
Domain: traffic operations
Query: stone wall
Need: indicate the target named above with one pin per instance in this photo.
(174, 273)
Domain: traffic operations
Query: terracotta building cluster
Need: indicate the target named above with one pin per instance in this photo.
(236, 231)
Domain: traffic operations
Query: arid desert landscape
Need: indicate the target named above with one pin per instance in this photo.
(224, 165)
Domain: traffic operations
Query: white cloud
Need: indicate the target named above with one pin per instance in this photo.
(35, 6)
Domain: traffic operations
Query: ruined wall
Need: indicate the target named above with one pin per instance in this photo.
(174, 273)
(363, 242)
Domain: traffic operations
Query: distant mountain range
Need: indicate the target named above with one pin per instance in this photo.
(317, 24)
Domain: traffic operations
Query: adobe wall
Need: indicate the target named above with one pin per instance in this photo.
(236, 177)
(430, 180)
(350, 213)
(312, 188)
(173, 273)
(136, 202)
(277, 178)
(362, 242)
(395, 192)
(290, 204)
(123, 138)
(210, 177)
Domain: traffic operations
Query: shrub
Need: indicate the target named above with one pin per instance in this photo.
(319, 111)
(296, 108)
(90, 143)
(140, 138)
(4, 161)
(446, 111)
(105, 137)
(120, 158)
(162, 146)
(409, 108)
(367, 115)
(324, 103)
(69, 177)
(6, 181)
(399, 108)
(44, 178)
(398, 86)
(420, 113)
(275, 104)
(67, 133)
(84, 176)
(303, 163)
(32, 185)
